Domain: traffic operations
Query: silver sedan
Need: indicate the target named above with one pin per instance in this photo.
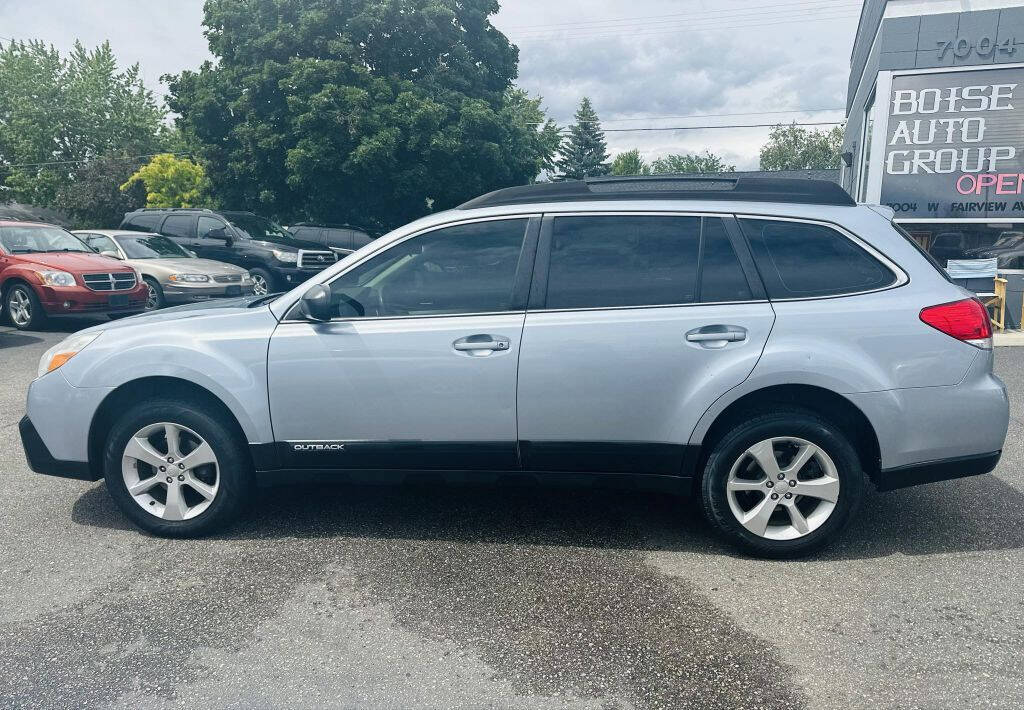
(172, 274)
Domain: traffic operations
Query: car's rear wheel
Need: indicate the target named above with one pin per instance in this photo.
(263, 282)
(175, 470)
(782, 484)
(23, 308)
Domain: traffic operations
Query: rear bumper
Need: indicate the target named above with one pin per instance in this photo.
(931, 471)
(41, 460)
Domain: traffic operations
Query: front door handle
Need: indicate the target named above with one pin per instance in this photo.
(717, 336)
(481, 345)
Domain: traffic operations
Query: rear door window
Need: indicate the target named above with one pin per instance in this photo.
(179, 225)
(612, 261)
(143, 222)
(807, 260)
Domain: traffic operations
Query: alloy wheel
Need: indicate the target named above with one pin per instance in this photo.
(170, 471)
(152, 299)
(259, 285)
(20, 307)
(783, 488)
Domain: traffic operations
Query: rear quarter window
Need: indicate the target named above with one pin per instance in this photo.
(806, 260)
(142, 222)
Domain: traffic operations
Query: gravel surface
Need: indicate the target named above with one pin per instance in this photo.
(445, 597)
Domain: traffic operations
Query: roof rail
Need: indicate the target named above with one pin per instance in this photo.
(173, 209)
(671, 187)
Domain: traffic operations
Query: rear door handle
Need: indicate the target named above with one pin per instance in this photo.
(481, 345)
(717, 336)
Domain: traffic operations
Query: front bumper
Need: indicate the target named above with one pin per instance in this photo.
(178, 294)
(294, 277)
(79, 300)
(41, 460)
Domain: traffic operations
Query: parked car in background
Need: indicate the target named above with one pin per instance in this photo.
(949, 245)
(274, 258)
(172, 274)
(46, 271)
(766, 344)
(342, 239)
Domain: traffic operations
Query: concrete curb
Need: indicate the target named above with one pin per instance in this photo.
(1008, 339)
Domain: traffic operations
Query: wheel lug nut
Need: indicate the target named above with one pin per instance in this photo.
(775, 496)
(163, 468)
(792, 484)
(181, 465)
(781, 476)
(182, 478)
(170, 479)
(770, 484)
(789, 495)
(170, 459)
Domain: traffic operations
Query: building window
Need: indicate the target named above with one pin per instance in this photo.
(865, 151)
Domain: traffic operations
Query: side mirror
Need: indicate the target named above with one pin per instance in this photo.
(316, 303)
(111, 254)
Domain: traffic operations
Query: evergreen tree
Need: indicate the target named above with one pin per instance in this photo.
(585, 153)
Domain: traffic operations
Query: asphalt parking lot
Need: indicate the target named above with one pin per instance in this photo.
(417, 597)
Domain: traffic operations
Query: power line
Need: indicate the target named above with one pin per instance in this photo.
(88, 160)
(688, 28)
(706, 115)
(649, 18)
(735, 125)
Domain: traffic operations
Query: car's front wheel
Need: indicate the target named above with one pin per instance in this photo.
(23, 308)
(154, 294)
(782, 484)
(263, 282)
(175, 470)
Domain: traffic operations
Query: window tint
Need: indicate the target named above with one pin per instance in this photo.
(143, 222)
(468, 268)
(178, 225)
(209, 224)
(99, 242)
(722, 277)
(801, 260)
(608, 261)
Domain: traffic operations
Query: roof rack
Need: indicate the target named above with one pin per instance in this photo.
(670, 187)
(172, 209)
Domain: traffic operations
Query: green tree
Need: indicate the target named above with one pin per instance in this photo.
(584, 153)
(364, 111)
(170, 182)
(630, 163)
(678, 163)
(94, 198)
(58, 113)
(796, 148)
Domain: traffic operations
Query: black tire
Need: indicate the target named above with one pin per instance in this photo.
(234, 466)
(37, 316)
(156, 291)
(781, 422)
(268, 278)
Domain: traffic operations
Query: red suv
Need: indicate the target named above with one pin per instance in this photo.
(46, 271)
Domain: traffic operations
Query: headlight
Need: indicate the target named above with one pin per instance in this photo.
(189, 278)
(51, 277)
(288, 257)
(64, 351)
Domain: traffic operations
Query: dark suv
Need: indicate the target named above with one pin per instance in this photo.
(276, 260)
(342, 239)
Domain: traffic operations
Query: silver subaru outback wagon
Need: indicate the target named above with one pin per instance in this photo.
(766, 344)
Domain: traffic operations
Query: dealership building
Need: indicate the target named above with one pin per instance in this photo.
(935, 122)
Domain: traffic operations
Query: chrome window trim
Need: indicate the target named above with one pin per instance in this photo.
(402, 240)
(902, 278)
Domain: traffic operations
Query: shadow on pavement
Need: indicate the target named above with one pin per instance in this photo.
(14, 339)
(974, 514)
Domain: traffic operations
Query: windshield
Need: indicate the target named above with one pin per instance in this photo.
(253, 227)
(151, 247)
(28, 239)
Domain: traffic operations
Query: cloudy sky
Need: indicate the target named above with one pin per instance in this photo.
(644, 63)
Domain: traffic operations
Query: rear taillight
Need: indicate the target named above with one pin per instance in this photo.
(965, 320)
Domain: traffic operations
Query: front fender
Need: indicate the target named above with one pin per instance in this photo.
(224, 354)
